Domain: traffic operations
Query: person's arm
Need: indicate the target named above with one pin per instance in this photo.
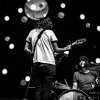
(74, 85)
(75, 79)
(58, 49)
(27, 48)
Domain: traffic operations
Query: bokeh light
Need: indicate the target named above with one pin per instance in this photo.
(82, 16)
(33, 7)
(88, 25)
(97, 60)
(27, 78)
(28, 0)
(6, 18)
(20, 10)
(7, 38)
(4, 71)
(98, 28)
(61, 15)
(62, 5)
(11, 46)
(24, 19)
(23, 82)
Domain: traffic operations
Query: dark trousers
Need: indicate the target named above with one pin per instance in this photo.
(43, 76)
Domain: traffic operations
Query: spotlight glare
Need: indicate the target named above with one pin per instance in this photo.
(28, 0)
(6, 18)
(24, 19)
(20, 10)
(27, 78)
(88, 25)
(61, 15)
(11, 46)
(4, 71)
(63, 5)
(97, 60)
(82, 16)
(33, 7)
(7, 38)
(23, 82)
(98, 28)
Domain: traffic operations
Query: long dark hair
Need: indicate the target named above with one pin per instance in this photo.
(83, 58)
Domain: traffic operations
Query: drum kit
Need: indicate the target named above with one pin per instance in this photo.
(68, 93)
(64, 92)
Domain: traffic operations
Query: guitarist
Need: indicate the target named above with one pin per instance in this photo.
(43, 67)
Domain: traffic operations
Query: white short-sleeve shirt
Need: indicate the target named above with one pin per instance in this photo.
(44, 52)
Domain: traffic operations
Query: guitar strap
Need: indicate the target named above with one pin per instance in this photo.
(38, 37)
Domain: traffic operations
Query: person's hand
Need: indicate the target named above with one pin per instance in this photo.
(30, 52)
(68, 47)
(55, 54)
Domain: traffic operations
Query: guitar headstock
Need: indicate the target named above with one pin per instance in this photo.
(79, 41)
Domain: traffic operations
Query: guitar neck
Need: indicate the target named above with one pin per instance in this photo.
(73, 44)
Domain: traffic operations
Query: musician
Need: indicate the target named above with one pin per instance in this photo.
(84, 78)
(43, 68)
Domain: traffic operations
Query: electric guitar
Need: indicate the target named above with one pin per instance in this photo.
(79, 41)
(66, 53)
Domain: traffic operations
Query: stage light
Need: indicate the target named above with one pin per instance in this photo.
(36, 10)
(20, 10)
(24, 19)
(63, 5)
(97, 60)
(98, 28)
(28, 0)
(6, 18)
(11, 46)
(7, 38)
(61, 15)
(23, 82)
(82, 16)
(33, 7)
(88, 25)
(4, 71)
(27, 78)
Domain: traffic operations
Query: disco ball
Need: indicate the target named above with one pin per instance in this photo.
(36, 9)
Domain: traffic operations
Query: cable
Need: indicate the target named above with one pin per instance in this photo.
(28, 85)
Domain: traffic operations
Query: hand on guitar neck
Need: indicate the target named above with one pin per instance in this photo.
(78, 41)
(69, 47)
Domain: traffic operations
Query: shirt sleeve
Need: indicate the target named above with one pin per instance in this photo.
(53, 36)
(75, 77)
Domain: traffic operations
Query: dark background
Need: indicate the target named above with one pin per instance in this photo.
(70, 28)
